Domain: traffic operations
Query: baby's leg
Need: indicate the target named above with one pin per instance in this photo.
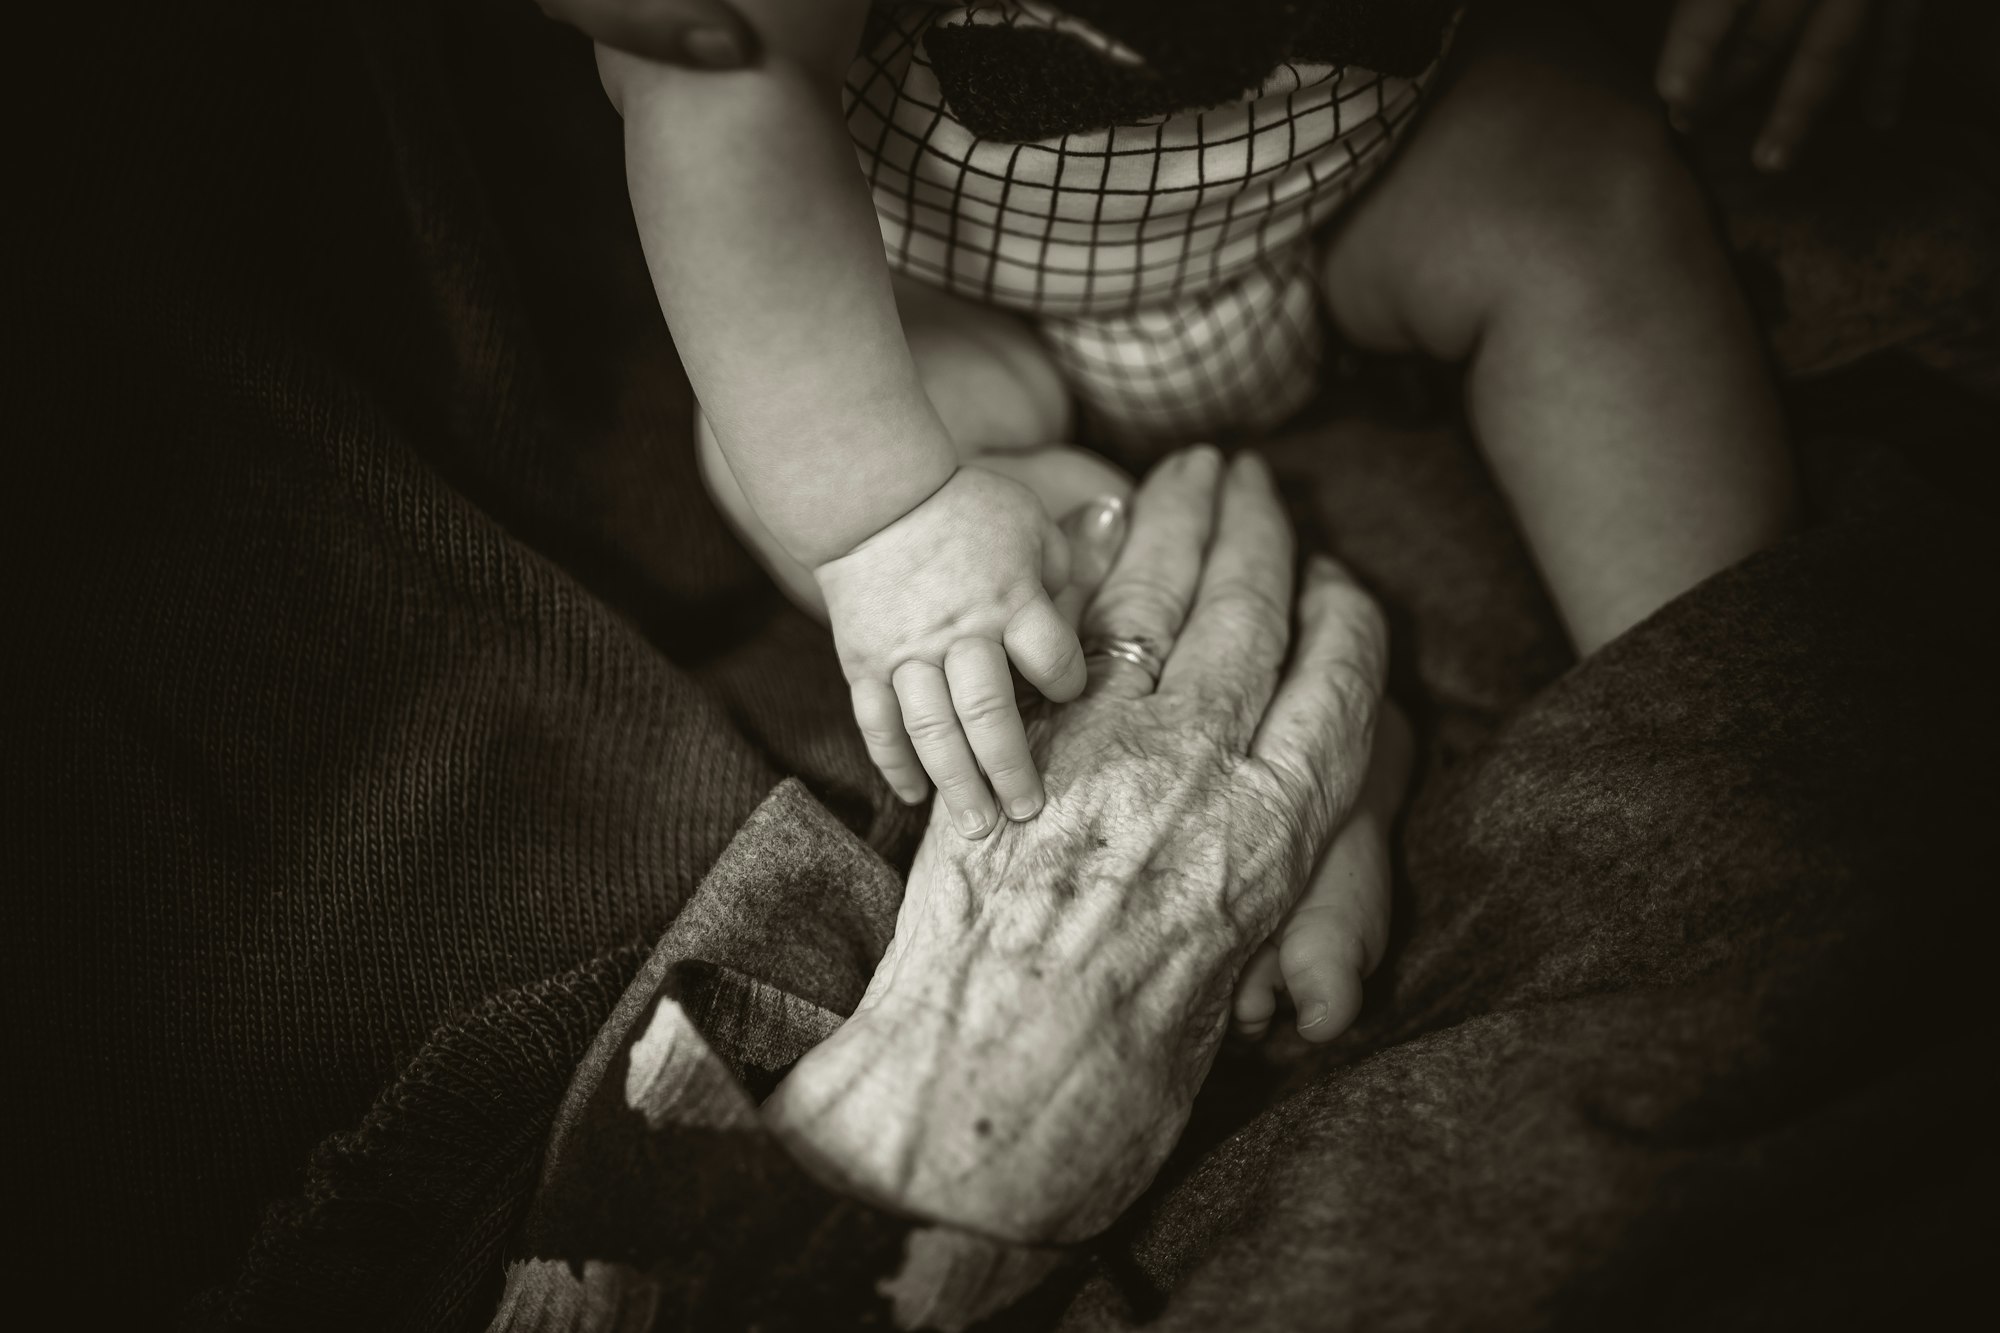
(1539, 227)
(998, 394)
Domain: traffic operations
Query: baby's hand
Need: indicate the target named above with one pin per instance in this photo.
(1818, 41)
(926, 615)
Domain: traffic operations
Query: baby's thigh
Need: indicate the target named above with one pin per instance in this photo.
(986, 372)
(1532, 171)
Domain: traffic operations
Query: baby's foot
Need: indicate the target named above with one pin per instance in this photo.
(1334, 935)
(1066, 478)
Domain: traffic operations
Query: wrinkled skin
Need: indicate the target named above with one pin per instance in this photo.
(1029, 1048)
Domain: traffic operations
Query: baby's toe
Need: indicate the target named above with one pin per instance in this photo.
(1257, 992)
(1322, 964)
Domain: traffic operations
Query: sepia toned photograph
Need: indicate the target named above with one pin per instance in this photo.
(1026, 666)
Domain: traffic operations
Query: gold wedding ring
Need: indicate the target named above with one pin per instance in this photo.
(1139, 652)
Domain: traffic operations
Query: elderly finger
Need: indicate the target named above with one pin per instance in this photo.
(880, 719)
(1318, 730)
(1146, 594)
(1695, 34)
(705, 33)
(1825, 52)
(983, 693)
(1235, 638)
(934, 730)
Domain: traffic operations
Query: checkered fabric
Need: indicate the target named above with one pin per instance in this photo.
(1168, 263)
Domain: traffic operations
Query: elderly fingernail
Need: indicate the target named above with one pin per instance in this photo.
(716, 48)
(1314, 1015)
(972, 823)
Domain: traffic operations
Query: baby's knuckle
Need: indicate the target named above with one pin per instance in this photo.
(932, 727)
(986, 710)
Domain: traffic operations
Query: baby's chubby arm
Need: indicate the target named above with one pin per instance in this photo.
(764, 249)
(765, 252)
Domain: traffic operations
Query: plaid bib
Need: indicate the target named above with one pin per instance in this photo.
(1168, 263)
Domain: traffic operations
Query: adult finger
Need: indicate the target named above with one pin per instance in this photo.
(934, 730)
(1695, 35)
(705, 33)
(880, 718)
(1318, 730)
(1146, 594)
(983, 693)
(1046, 650)
(1236, 632)
(1825, 51)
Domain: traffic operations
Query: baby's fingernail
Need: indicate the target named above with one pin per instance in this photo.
(1678, 117)
(1027, 807)
(971, 823)
(1769, 156)
(1313, 1015)
(717, 48)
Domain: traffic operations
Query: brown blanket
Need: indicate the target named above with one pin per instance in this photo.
(380, 686)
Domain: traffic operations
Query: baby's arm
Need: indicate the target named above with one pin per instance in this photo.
(765, 252)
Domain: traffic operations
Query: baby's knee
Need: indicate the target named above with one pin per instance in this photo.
(1558, 197)
(1611, 218)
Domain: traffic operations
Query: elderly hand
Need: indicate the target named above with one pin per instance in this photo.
(707, 33)
(1714, 47)
(1029, 1048)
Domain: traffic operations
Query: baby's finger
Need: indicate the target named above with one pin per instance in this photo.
(1257, 991)
(880, 718)
(1046, 651)
(982, 691)
(933, 729)
(1694, 35)
(1825, 51)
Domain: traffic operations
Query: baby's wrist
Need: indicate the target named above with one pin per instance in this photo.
(868, 522)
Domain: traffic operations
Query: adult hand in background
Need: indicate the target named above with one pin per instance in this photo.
(1715, 48)
(1029, 1048)
(707, 33)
